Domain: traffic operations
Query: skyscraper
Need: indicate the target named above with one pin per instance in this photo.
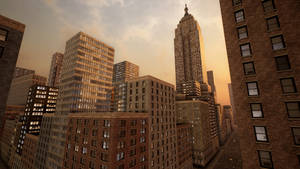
(86, 76)
(195, 100)
(189, 55)
(11, 35)
(262, 40)
(211, 81)
(55, 69)
(123, 72)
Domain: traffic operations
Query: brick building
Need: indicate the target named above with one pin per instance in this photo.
(11, 35)
(262, 39)
(184, 146)
(107, 140)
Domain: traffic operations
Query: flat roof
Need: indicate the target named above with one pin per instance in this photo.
(110, 115)
(12, 23)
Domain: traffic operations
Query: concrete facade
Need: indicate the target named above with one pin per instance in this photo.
(262, 40)
(11, 35)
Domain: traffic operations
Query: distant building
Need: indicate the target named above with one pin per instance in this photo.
(123, 72)
(40, 100)
(55, 69)
(155, 97)
(11, 112)
(184, 146)
(20, 87)
(29, 151)
(19, 71)
(232, 103)
(262, 41)
(108, 140)
(11, 35)
(211, 81)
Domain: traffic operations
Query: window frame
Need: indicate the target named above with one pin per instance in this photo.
(245, 68)
(235, 18)
(288, 62)
(266, 133)
(293, 82)
(6, 37)
(294, 135)
(240, 3)
(260, 160)
(245, 26)
(287, 110)
(278, 23)
(261, 108)
(1, 51)
(273, 4)
(258, 93)
(241, 51)
(282, 40)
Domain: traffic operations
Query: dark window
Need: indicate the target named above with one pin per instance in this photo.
(296, 134)
(1, 51)
(245, 50)
(123, 123)
(3, 34)
(268, 5)
(277, 42)
(273, 23)
(236, 2)
(249, 68)
(288, 85)
(265, 159)
(239, 16)
(282, 63)
(242, 32)
(261, 133)
(293, 109)
(252, 89)
(256, 110)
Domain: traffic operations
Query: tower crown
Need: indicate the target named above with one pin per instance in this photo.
(186, 9)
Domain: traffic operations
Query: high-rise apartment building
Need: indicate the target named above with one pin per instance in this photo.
(189, 54)
(86, 76)
(20, 87)
(153, 96)
(192, 89)
(11, 35)
(29, 151)
(123, 72)
(262, 39)
(55, 69)
(211, 81)
(40, 100)
(107, 140)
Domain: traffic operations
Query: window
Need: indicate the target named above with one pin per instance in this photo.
(252, 89)
(133, 132)
(239, 16)
(236, 2)
(106, 123)
(245, 50)
(282, 63)
(133, 123)
(268, 5)
(249, 68)
(273, 23)
(242, 32)
(123, 123)
(256, 110)
(3, 34)
(265, 159)
(104, 157)
(106, 134)
(132, 152)
(277, 42)
(105, 145)
(132, 163)
(1, 51)
(120, 156)
(293, 109)
(260, 133)
(122, 133)
(296, 135)
(288, 85)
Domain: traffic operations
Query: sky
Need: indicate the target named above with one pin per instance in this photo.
(141, 31)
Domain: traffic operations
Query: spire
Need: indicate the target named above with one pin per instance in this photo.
(186, 9)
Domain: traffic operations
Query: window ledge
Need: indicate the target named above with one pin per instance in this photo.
(253, 96)
(261, 142)
(290, 94)
(294, 118)
(282, 71)
(279, 50)
(251, 75)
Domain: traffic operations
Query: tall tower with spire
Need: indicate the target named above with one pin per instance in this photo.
(189, 56)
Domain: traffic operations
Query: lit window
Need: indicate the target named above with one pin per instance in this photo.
(282, 63)
(106, 134)
(296, 134)
(256, 110)
(120, 156)
(268, 5)
(260, 134)
(242, 32)
(236, 2)
(3, 34)
(252, 89)
(245, 50)
(277, 42)
(265, 159)
(288, 85)
(273, 23)
(249, 68)
(106, 123)
(105, 145)
(84, 150)
(293, 109)
(239, 16)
